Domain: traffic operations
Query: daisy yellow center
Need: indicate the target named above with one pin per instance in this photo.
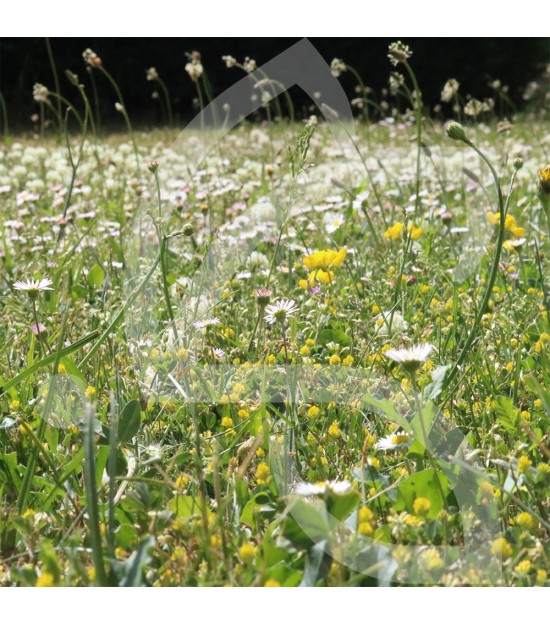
(399, 439)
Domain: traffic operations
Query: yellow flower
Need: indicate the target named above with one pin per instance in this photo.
(431, 560)
(501, 548)
(493, 218)
(523, 568)
(394, 232)
(247, 553)
(61, 369)
(541, 577)
(517, 231)
(334, 359)
(263, 473)
(416, 232)
(227, 422)
(313, 412)
(523, 464)
(348, 361)
(526, 521)
(334, 430)
(544, 180)
(365, 528)
(365, 515)
(46, 580)
(320, 276)
(422, 506)
(272, 583)
(325, 259)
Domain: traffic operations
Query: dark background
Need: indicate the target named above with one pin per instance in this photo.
(473, 62)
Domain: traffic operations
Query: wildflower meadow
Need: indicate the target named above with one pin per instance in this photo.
(281, 345)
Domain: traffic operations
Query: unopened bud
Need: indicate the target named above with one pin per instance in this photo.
(263, 296)
(518, 163)
(455, 131)
(119, 107)
(188, 230)
(72, 78)
(153, 166)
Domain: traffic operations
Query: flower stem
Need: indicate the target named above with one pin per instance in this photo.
(502, 209)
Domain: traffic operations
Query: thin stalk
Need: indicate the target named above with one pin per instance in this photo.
(417, 104)
(167, 100)
(124, 112)
(4, 108)
(92, 503)
(54, 72)
(502, 209)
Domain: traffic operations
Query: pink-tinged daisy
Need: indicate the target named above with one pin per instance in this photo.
(280, 311)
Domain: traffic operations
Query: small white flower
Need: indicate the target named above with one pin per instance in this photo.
(415, 355)
(398, 323)
(33, 285)
(281, 310)
(218, 354)
(333, 221)
(304, 489)
(398, 439)
(206, 323)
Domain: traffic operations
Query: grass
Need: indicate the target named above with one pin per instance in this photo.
(165, 423)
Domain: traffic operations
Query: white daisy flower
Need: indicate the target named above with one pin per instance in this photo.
(304, 489)
(33, 286)
(281, 310)
(411, 359)
(399, 438)
(333, 221)
(218, 354)
(206, 323)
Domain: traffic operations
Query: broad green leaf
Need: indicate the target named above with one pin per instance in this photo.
(135, 563)
(129, 421)
(422, 484)
(386, 407)
(96, 276)
(306, 523)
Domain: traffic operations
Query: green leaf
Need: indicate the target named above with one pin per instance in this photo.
(318, 563)
(96, 276)
(544, 396)
(422, 484)
(507, 415)
(134, 564)
(341, 506)
(184, 506)
(422, 423)
(433, 390)
(387, 408)
(306, 523)
(260, 505)
(129, 422)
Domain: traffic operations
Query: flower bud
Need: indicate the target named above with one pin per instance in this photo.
(188, 230)
(72, 78)
(153, 166)
(518, 163)
(455, 131)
